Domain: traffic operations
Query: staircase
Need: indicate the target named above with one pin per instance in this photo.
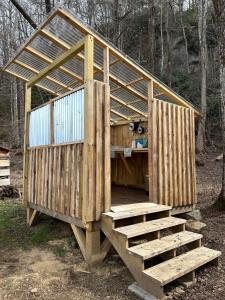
(154, 245)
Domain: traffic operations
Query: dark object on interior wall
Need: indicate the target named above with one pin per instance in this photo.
(133, 126)
(140, 129)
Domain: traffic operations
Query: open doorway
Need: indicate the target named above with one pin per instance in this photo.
(129, 164)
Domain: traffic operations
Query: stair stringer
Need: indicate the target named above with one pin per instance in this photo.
(135, 264)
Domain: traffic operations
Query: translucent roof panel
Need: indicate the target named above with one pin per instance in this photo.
(128, 80)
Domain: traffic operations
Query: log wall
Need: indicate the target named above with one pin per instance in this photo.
(172, 171)
(55, 178)
(97, 174)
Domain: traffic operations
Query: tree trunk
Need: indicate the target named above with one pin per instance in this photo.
(151, 36)
(202, 15)
(48, 6)
(220, 19)
(184, 35)
(161, 38)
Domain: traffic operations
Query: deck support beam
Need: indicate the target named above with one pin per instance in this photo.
(32, 216)
(91, 247)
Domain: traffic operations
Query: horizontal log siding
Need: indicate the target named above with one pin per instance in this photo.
(55, 178)
(173, 180)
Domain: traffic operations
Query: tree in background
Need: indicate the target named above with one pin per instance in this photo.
(219, 8)
(202, 15)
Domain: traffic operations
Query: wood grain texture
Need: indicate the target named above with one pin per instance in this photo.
(96, 164)
(54, 178)
(173, 180)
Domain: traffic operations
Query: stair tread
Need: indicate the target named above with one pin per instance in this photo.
(148, 227)
(133, 212)
(181, 265)
(158, 246)
(135, 206)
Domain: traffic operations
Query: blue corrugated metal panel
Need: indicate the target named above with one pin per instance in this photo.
(39, 129)
(69, 118)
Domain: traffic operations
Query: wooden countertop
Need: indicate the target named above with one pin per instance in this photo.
(135, 150)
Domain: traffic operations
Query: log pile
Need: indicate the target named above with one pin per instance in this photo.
(9, 191)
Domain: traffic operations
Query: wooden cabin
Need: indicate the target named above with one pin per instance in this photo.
(4, 166)
(112, 153)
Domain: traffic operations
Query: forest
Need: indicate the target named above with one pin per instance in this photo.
(175, 40)
(84, 216)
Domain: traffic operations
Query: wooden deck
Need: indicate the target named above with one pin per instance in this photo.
(125, 195)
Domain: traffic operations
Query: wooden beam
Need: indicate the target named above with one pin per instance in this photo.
(119, 114)
(89, 58)
(127, 84)
(58, 62)
(64, 86)
(26, 144)
(151, 182)
(50, 61)
(106, 64)
(129, 106)
(80, 56)
(38, 85)
(30, 40)
(124, 58)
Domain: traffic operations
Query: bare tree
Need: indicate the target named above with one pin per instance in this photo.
(202, 15)
(151, 35)
(220, 21)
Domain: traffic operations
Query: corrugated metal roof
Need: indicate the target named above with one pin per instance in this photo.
(128, 80)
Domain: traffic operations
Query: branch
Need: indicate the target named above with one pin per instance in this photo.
(25, 15)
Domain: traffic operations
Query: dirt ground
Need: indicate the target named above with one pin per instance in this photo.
(44, 262)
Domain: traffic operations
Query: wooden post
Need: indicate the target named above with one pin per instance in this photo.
(89, 58)
(106, 65)
(150, 139)
(106, 142)
(88, 126)
(52, 138)
(26, 142)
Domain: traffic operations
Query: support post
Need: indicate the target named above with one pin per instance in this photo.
(106, 65)
(88, 127)
(152, 195)
(26, 142)
(91, 247)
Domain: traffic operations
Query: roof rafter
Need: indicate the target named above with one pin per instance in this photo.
(138, 69)
(128, 105)
(59, 61)
(116, 80)
(19, 63)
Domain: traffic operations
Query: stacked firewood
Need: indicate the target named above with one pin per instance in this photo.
(9, 191)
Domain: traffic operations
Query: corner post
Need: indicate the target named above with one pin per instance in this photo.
(107, 158)
(26, 143)
(152, 196)
(87, 198)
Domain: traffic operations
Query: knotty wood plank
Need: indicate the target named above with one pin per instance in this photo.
(181, 265)
(99, 148)
(150, 226)
(153, 248)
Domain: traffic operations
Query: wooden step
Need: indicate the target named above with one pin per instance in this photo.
(137, 206)
(148, 227)
(181, 265)
(150, 249)
(151, 208)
